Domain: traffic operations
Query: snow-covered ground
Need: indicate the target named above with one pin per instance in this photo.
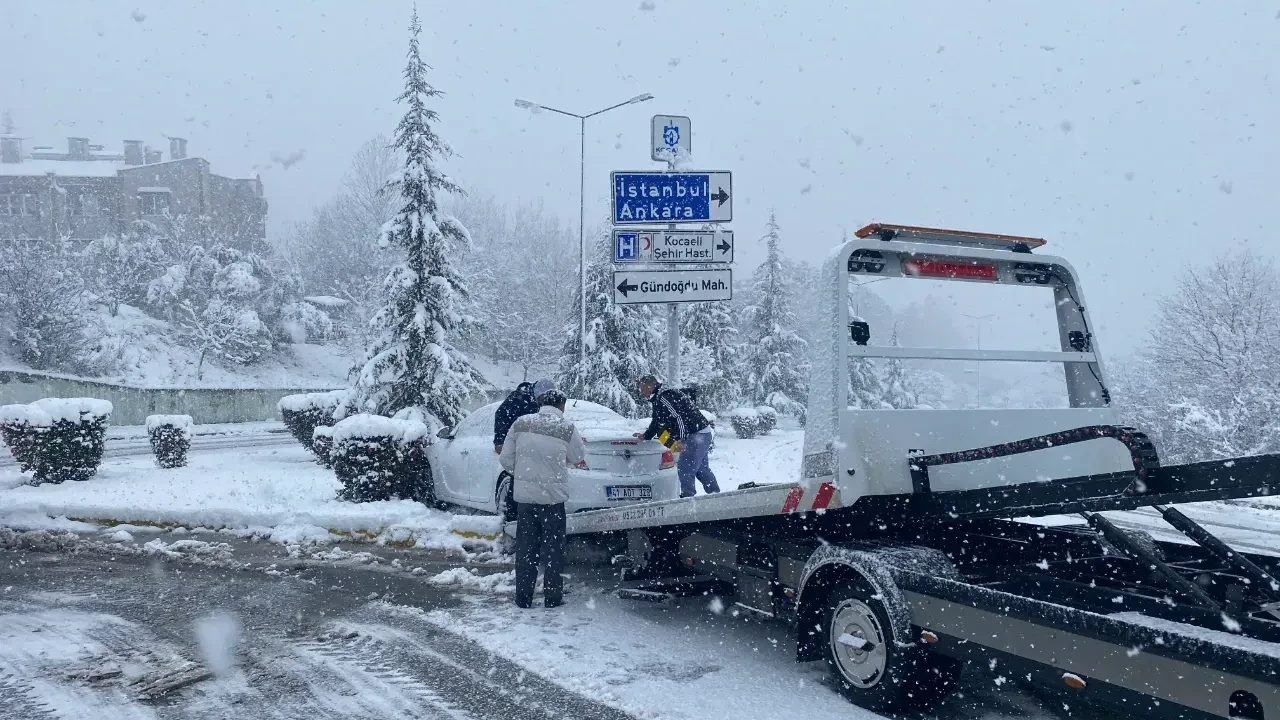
(280, 491)
(276, 492)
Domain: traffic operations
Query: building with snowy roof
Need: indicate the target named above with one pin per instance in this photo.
(87, 192)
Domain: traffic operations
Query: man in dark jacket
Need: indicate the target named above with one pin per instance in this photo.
(523, 401)
(682, 427)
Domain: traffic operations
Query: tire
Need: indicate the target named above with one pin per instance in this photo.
(881, 675)
(505, 501)
(424, 490)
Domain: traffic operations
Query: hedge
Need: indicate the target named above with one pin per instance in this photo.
(170, 439)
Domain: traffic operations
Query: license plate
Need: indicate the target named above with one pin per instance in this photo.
(628, 492)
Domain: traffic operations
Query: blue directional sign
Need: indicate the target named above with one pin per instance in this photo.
(683, 197)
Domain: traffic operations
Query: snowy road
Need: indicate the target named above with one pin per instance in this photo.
(84, 636)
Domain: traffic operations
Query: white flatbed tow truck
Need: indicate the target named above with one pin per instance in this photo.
(894, 555)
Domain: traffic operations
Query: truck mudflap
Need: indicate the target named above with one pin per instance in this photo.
(761, 500)
(1207, 670)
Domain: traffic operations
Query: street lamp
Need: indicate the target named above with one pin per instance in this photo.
(582, 204)
(857, 295)
(977, 320)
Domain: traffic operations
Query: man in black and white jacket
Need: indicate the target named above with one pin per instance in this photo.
(687, 432)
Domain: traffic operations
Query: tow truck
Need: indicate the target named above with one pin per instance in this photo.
(901, 551)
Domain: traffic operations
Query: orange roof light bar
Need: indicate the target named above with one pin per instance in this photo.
(886, 231)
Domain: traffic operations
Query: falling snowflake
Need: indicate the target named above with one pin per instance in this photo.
(647, 5)
(1066, 126)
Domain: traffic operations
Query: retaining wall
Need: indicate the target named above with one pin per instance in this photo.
(133, 404)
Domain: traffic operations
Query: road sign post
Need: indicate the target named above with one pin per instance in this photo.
(673, 197)
(670, 137)
(640, 287)
(673, 246)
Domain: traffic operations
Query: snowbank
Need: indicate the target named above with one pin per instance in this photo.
(377, 426)
(504, 582)
(313, 401)
(178, 422)
(278, 492)
(73, 409)
(24, 415)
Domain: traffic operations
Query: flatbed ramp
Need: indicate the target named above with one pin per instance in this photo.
(759, 501)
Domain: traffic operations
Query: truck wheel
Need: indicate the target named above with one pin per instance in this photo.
(866, 662)
(505, 497)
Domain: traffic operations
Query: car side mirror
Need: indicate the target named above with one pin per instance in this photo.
(445, 433)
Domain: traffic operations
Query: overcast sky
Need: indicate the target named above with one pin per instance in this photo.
(1135, 136)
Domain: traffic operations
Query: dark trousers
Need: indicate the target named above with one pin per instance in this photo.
(539, 542)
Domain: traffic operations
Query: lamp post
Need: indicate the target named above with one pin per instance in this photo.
(977, 320)
(582, 205)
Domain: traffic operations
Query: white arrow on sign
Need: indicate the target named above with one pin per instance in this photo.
(672, 246)
(638, 287)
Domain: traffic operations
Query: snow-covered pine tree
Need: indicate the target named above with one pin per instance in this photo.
(411, 359)
(899, 391)
(622, 342)
(709, 354)
(778, 371)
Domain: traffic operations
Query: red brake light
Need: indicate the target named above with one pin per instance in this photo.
(582, 465)
(950, 270)
(668, 460)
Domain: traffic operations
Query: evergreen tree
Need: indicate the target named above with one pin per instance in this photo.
(622, 342)
(709, 353)
(898, 390)
(411, 359)
(778, 371)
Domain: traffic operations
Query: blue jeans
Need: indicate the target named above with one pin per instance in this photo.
(693, 465)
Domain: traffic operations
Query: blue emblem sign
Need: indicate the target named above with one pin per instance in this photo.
(692, 197)
(670, 136)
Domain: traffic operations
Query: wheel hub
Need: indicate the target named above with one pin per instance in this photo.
(858, 644)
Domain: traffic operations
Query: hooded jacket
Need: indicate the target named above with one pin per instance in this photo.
(676, 414)
(520, 402)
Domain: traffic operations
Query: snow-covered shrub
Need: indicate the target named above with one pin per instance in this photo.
(304, 412)
(322, 445)
(223, 302)
(378, 458)
(767, 419)
(70, 446)
(118, 269)
(302, 321)
(170, 439)
(746, 422)
(42, 304)
(19, 425)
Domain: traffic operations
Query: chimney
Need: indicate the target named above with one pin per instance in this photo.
(177, 148)
(10, 149)
(151, 157)
(77, 148)
(133, 152)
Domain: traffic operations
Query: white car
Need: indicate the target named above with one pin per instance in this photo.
(620, 469)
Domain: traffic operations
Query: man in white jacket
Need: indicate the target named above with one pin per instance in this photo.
(538, 452)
